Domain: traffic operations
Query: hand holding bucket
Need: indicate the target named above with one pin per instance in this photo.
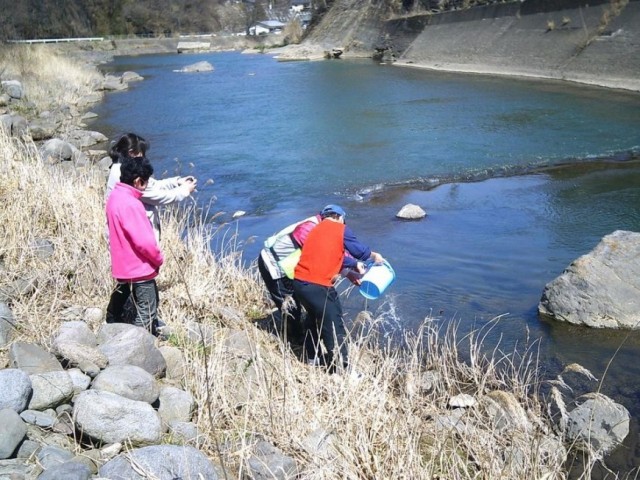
(376, 279)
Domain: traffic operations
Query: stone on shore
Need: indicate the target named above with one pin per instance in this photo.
(129, 381)
(598, 423)
(7, 325)
(32, 358)
(600, 289)
(128, 77)
(175, 405)
(50, 389)
(164, 462)
(70, 470)
(12, 432)
(15, 389)
(13, 88)
(111, 418)
(55, 151)
(134, 346)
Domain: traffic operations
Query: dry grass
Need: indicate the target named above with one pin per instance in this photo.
(49, 79)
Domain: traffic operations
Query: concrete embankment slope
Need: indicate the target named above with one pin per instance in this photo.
(588, 44)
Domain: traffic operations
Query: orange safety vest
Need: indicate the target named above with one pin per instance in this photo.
(322, 254)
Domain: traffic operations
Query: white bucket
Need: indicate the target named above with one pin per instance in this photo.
(377, 278)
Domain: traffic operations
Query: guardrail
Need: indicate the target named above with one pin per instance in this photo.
(60, 40)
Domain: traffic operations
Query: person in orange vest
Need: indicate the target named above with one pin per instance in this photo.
(323, 258)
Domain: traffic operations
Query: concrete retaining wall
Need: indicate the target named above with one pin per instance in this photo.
(572, 44)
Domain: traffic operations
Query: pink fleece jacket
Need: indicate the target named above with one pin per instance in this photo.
(135, 253)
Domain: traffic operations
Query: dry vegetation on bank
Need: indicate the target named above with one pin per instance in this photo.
(395, 422)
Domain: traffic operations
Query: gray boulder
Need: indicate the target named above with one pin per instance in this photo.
(201, 332)
(598, 423)
(15, 389)
(17, 468)
(83, 356)
(135, 346)
(113, 83)
(174, 360)
(6, 121)
(203, 66)
(185, 433)
(12, 432)
(7, 325)
(129, 381)
(111, 418)
(51, 455)
(18, 288)
(14, 125)
(80, 381)
(175, 405)
(50, 389)
(411, 212)
(42, 248)
(600, 289)
(505, 412)
(28, 449)
(75, 331)
(41, 129)
(162, 462)
(56, 150)
(85, 138)
(111, 330)
(32, 358)
(131, 77)
(41, 419)
(13, 88)
(71, 470)
(269, 462)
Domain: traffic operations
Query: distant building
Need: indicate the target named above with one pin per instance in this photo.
(299, 5)
(267, 26)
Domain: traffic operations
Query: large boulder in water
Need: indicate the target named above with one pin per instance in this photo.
(600, 289)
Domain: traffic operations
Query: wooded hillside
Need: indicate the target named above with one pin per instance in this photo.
(30, 19)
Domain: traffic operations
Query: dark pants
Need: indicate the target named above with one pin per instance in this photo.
(324, 322)
(145, 301)
(279, 289)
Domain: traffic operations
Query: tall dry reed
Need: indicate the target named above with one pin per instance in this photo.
(50, 79)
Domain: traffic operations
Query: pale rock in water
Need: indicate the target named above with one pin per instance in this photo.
(197, 67)
(411, 212)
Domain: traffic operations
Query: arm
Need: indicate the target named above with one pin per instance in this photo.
(164, 183)
(359, 250)
(355, 247)
(114, 177)
(159, 192)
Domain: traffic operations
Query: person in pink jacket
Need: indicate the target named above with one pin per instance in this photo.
(135, 254)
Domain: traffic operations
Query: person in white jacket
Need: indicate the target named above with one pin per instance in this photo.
(158, 192)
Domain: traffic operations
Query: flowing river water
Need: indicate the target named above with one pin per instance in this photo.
(518, 179)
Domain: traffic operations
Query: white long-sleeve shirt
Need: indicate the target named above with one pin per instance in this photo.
(157, 193)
